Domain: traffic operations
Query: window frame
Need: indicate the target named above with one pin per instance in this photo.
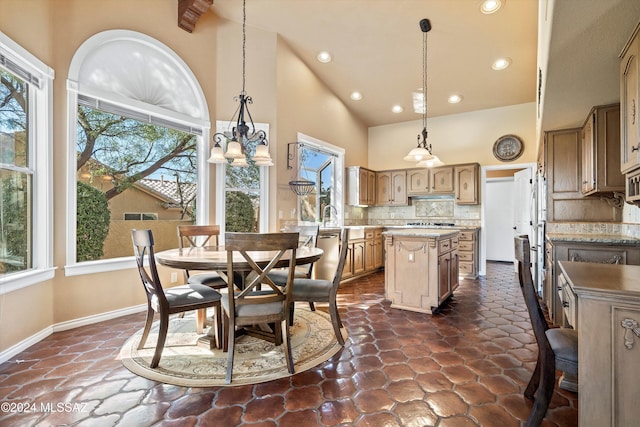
(75, 90)
(40, 163)
(221, 177)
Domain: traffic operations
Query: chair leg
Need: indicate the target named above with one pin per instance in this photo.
(335, 321)
(311, 306)
(530, 391)
(147, 327)
(218, 325)
(225, 331)
(230, 348)
(162, 337)
(543, 397)
(201, 320)
(287, 346)
(277, 332)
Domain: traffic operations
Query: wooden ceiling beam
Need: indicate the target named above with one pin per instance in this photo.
(189, 11)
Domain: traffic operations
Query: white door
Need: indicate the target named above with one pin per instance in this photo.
(499, 219)
(522, 200)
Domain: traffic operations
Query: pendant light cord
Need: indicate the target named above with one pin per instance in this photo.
(244, 43)
(424, 79)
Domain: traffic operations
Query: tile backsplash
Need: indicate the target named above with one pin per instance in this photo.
(418, 211)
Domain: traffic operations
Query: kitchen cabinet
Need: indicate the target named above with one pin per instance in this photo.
(629, 108)
(607, 314)
(364, 255)
(442, 179)
(391, 188)
(421, 268)
(361, 186)
(378, 249)
(565, 201)
(468, 253)
(418, 182)
(466, 184)
(601, 249)
(601, 153)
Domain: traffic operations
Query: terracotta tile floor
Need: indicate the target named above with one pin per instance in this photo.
(466, 366)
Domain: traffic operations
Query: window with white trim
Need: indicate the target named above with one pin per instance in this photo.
(25, 168)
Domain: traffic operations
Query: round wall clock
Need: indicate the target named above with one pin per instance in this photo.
(508, 148)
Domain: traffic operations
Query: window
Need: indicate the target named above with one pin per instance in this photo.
(321, 163)
(25, 168)
(243, 206)
(138, 140)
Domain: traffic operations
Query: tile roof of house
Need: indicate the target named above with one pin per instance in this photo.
(169, 190)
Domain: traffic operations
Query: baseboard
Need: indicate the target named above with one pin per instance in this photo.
(64, 326)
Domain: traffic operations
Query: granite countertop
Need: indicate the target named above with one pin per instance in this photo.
(613, 239)
(422, 232)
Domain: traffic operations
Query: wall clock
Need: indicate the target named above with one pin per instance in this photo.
(508, 148)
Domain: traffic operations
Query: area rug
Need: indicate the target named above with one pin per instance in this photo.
(185, 363)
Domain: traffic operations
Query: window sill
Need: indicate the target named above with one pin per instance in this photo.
(15, 281)
(101, 266)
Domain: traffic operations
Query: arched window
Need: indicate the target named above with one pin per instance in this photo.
(138, 132)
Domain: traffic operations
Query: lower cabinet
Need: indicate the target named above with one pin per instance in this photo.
(365, 253)
(469, 253)
(589, 251)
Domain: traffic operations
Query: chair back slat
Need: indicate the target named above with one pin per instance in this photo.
(143, 248)
(197, 236)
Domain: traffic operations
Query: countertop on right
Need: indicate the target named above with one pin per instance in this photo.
(612, 239)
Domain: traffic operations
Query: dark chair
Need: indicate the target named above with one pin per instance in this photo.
(557, 347)
(319, 290)
(260, 301)
(200, 236)
(167, 301)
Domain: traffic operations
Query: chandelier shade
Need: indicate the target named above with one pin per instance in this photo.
(243, 137)
(423, 153)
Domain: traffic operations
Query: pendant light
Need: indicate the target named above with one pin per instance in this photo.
(243, 136)
(423, 153)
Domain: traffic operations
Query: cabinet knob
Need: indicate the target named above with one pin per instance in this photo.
(565, 304)
(635, 148)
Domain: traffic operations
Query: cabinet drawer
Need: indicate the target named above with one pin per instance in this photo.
(444, 245)
(465, 256)
(465, 246)
(368, 234)
(465, 268)
(569, 302)
(466, 235)
(598, 255)
(454, 242)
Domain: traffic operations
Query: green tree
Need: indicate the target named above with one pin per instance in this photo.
(243, 217)
(92, 223)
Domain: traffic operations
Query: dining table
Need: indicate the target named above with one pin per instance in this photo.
(214, 258)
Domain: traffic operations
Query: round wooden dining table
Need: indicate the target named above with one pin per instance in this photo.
(215, 258)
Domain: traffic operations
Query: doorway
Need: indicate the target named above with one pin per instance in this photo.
(493, 180)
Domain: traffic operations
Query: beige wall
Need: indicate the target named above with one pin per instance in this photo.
(286, 95)
(458, 138)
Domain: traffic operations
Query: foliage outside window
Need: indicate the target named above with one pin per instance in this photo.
(242, 197)
(317, 166)
(133, 164)
(16, 175)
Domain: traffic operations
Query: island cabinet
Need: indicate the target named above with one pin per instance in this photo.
(421, 268)
(607, 318)
(391, 188)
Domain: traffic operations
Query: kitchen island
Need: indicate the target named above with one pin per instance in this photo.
(421, 267)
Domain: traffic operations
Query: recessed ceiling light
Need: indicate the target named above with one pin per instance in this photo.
(491, 6)
(397, 109)
(324, 57)
(501, 63)
(356, 96)
(454, 99)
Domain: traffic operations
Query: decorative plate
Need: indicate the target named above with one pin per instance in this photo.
(508, 148)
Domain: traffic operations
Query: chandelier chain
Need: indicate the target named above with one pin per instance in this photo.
(424, 79)
(244, 43)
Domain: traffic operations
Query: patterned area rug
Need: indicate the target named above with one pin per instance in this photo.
(185, 363)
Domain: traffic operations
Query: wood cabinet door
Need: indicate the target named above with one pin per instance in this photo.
(399, 189)
(466, 179)
(369, 255)
(444, 271)
(383, 185)
(629, 75)
(442, 180)
(358, 257)
(371, 188)
(348, 264)
(453, 271)
(588, 155)
(378, 252)
(417, 182)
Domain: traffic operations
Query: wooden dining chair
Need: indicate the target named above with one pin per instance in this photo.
(200, 236)
(260, 301)
(309, 238)
(320, 290)
(168, 301)
(557, 347)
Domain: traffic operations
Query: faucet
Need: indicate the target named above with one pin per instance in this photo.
(324, 213)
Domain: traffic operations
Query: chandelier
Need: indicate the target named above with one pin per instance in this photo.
(423, 153)
(243, 137)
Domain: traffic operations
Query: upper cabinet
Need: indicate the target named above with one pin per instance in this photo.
(442, 180)
(466, 183)
(418, 182)
(601, 153)
(361, 186)
(630, 131)
(392, 188)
